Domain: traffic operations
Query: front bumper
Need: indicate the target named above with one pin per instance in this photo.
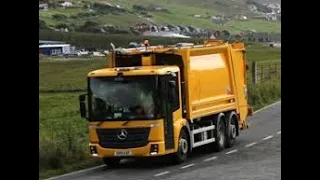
(151, 149)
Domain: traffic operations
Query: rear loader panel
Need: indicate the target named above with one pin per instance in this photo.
(211, 82)
(239, 63)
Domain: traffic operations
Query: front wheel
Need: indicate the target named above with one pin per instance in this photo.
(181, 155)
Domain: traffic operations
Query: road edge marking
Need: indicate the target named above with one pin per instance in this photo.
(266, 107)
(161, 174)
(187, 166)
(251, 144)
(76, 172)
(210, 159)
(268, 137)
(232, 151)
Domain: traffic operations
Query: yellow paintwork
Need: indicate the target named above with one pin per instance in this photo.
(146, 61)
(215, 77)
(143, 70)
(156, 133)
(156, 136)
(240, 83)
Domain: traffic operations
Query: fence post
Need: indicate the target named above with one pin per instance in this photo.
(262, 75)
(254, 73)
(270, 71)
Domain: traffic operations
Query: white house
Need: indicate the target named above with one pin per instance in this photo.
(55, 49)
(66, 4)
(252, 8)
(271, 16)
(43, 7)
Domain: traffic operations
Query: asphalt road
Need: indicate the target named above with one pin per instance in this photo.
(255, 156)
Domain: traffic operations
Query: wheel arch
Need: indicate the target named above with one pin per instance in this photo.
(183, 125)
(220, 116)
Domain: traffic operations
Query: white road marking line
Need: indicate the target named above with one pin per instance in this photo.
(210, 159)
(233, 151)
(279, 132)
(161, 174)
(251, 144)
(187, 166)
(268, 137)
(266, 107)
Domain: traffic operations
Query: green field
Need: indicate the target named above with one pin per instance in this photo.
(66, 75)
(63, 134)
(180, 12)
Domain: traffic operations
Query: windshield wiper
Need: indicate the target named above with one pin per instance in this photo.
(125, 123)
(98, 125)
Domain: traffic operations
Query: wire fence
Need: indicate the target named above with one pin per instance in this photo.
(265, 70)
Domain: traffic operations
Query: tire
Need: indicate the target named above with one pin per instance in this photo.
(111, 162)
(182, 154)
(220, 134)
(232, 131)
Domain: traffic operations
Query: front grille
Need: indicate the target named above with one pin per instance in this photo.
(136, 137)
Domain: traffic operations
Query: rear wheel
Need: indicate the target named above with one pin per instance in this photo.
(232, 131)
(220, 134)
(111, 162)
(181, 155)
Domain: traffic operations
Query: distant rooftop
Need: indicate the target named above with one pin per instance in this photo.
(53, 45)
(42, 42)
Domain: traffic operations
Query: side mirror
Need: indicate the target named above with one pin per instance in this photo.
(172, 91)
(83, 109)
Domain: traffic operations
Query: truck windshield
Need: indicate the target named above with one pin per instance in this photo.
(130, 98)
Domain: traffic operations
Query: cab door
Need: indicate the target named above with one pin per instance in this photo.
(170, 103)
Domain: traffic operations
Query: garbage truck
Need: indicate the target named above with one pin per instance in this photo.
(166, 101)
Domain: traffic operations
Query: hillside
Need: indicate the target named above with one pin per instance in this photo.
(121, 14)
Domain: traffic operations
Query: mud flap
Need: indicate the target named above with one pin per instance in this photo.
(250, 111)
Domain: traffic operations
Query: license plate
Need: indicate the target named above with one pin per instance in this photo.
(122, 153)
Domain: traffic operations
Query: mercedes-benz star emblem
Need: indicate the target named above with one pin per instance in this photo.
(122, 135)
